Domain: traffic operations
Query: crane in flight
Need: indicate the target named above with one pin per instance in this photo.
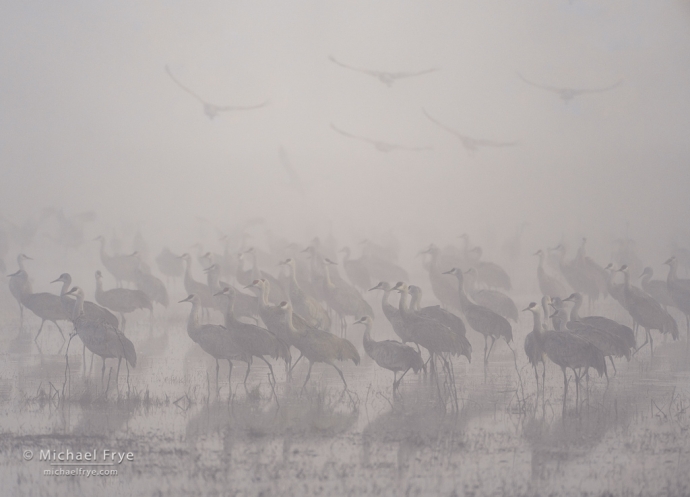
(212, 110)
(379, 145)
(470, 144)
(568, 94)
(387, 78)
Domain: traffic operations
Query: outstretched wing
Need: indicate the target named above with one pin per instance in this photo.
(350, 135)
(365, 71)
(598, 90)
(225, 108)
(543, 87)
(398, 75)
(167, 69)
(443, 126)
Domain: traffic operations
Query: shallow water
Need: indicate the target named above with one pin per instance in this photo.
(629, 437)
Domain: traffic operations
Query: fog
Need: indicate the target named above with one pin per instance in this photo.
(90, 119)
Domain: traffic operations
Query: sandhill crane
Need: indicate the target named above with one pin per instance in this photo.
(45, 305)
(303, 304)
(91, 310)
(344, 299)
(278, 293)
(656, 288)
(122, 267)
(680, 291)
(393, 314)
(470, 144)
(481, 319)
(387, 78)
(317, 345)
(101, 338)
(153, 287)
(121, 300)
(575, 276)
(489, 273)
(391, 355)
(20, 285)
(567, 351)
(624, 335)
(244, 305)
(195, 287)
(213, 339)
(533, 348)
(170, 264)
(379, 261)
(548, 284)
(253, 340)
(616, 290)
(568, 94)
(495, 300)
(356, 270)
(447, 318)
(441, 287)
(595, 274)
(379, 145)
(212, 110)
(647, 312)
(431, 334)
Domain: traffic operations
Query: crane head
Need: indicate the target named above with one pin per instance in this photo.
(531, 307)
(383, 285)
(64, 277)
(225, 291)
(190, 298)
(365, 320)
(671, 260)
(99, 274)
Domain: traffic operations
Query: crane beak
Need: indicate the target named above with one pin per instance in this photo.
(14, 274)
(449, 271)
(668, 262)
(188, 299)
(55, 281)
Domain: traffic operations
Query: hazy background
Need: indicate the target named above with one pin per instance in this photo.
(90, 120)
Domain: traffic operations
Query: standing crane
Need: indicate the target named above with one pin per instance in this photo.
(213, 339)
(253, 340)
(305, 305)
(656, 288)
(495, 300)
(318, 345)
(442, 289)
(389, 354)
(344, 299)
(121, 300)
(45, 305)
(20, 285)
(170, 264)
(122, 267)
(195, 287)
(101, 338)
(356, 270)
(393, 314)
(481, 319)
(146, 282)
(548, 284)
(647, 312)
(624, 335)
(533, 346)
(447, 318)
(680, 291)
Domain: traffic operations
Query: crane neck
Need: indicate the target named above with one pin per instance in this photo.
(415, 301)
(575, 311)
(20, 262)
(367, 341)
(402, 305)
(464, 301)
(99, 286)
(646, 277)
(65, 287)
(672, 275)
(78, 308)
(193, 321)
(104, 255)
(229, 311)
(537, 322)
(212, 280)
(256, 274)
(329, 282)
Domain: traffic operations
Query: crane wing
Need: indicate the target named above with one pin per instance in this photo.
(167, 69)
(225, 108)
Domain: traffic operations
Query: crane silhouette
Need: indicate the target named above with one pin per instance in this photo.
(387, 78)
(381, 146)
(470, 144)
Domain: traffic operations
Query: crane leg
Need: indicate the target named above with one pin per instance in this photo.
(102, 370)
(308, 375)
(340, 373)
(614, 366)
(270, 368)
(651, 341)
(249, 365)
(117, 374)
(91, 366)
(59, 329)
(395, 381)
(646, 340)
(543, 381)
(536, 377)
(83, 357)
(21, 316)
(486, 345)
(229, 373)
(403, 375)
(493, 341)
(565, 390)
(217, 371)
(295, 364)
(40, 328)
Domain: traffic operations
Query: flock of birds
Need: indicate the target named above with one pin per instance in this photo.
(307, 304)
(470, 144)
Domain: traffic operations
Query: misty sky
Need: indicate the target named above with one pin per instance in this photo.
(89, 119)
